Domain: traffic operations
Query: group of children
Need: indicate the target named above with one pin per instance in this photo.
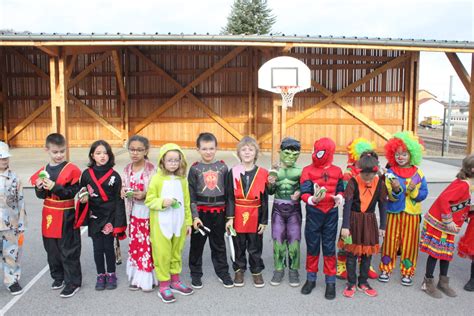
(161, 205)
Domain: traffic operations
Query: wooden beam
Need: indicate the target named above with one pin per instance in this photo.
(460, 70)
(185, 91)
(355, 113)
(338, 94)
(3, 78)
(416, 77)
(70, 66)
(287, 48)
(81, 50)
(53, 83)
(29, 119)
(88, 69)
(119, 75)
(96, 116)
(51, 51)
(61, 91)
(26, 61)
(470, 124)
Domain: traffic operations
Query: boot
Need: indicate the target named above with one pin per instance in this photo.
(469, 285)
(443, 285)
(430, 289)
(330, 293)
(308, 287)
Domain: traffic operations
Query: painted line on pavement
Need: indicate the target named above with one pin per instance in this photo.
(29, 285)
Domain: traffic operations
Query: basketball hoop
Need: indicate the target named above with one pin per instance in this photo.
(287, 94)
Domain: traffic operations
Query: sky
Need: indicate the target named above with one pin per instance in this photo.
(420, 19)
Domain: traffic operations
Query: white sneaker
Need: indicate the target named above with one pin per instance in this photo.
(384, 277)
(406, 280)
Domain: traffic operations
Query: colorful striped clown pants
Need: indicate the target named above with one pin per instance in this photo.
(402, 235)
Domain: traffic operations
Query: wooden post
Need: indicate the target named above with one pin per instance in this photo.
(4, 94)
(256, 64)
(470, 135)
(416, 77)
(250, 90)
(61, 93)
(126, 123)
(53, 81)
(275, 134)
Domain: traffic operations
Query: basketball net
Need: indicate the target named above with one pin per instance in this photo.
(287, 94)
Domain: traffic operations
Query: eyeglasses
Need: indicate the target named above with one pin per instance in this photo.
(173, 161)
(137, 150)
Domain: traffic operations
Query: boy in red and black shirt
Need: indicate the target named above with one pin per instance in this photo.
(57, 183)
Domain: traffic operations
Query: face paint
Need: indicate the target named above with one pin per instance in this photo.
(402, 157)
(289, 157)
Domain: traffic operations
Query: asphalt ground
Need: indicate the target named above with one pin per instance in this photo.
(213, 298)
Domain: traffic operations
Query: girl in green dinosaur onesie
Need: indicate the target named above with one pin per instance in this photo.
(170, 220)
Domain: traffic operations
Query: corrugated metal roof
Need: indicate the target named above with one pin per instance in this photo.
(235, 39)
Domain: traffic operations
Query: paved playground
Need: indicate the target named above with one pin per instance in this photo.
(213, 298)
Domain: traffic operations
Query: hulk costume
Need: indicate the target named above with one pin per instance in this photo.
(286, 212)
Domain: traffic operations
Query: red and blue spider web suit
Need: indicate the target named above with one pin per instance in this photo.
(322, 217)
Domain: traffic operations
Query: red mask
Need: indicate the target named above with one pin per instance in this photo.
(323, 152)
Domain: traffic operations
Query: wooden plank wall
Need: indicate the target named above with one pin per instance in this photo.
(230, 92)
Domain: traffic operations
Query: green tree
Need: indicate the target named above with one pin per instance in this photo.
(249, 17)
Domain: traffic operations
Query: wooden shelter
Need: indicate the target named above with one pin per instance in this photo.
(171, 87)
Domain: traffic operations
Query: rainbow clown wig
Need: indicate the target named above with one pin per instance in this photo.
(408, 142)
(357, 147)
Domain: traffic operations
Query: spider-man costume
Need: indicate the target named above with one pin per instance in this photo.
(321, 217)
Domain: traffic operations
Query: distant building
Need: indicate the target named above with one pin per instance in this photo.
(429, 106)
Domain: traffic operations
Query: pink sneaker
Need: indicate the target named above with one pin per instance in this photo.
(166, 295)
(367, 289)
(181, 288)
(349, 291)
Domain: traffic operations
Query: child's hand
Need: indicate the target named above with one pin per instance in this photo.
(295, 196)
(395, 185)
(382, 233)
(230, 223)
(84, 199)
(122, 193)
(48, 184)
(196, 223)
(167, 202)
(338, 200)
(261, 228)
(452, 227)
(345, 232)
(188, 230)
(139, 195)
(108, 228)
(271, 180)
(411, 186)
(39, 183)
(318, 199)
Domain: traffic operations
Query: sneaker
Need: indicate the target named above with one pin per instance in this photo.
(294, 277)
(239, 278)
(277, 277)
(100, 284)
(166, 295)
(15, 289)
(384, 277)
(196, 282)
(57, 285)
(406, 280)
(111, 281)
(69, 290)
(258, 280)
(367, 289)
(227, 281)
(181, 288)
(349, 291)
(133, 287)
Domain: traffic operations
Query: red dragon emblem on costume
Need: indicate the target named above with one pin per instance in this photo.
(210, 179)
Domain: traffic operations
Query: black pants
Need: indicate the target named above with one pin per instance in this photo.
(253, 244)
(351, 266)
(216, 223)
(431, 265)
(104, 246)
(64, 253)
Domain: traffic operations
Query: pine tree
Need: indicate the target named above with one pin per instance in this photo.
(249, 17)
